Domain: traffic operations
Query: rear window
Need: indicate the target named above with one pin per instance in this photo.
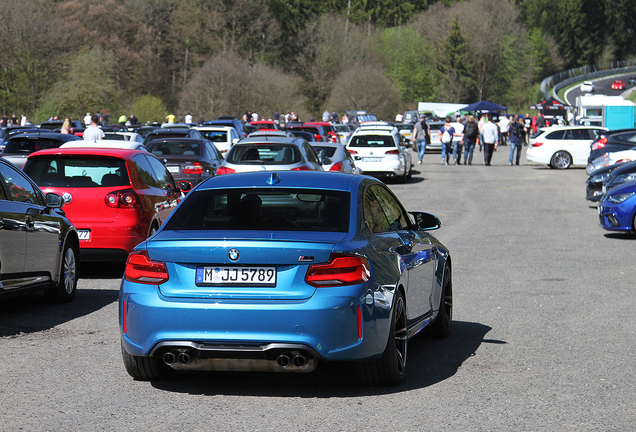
(624, 137)
(341, 128)
(371, 141)
(27, 146)
(114, 136)
(78, 172)
(215, 136)
(271, 154)
(174, 148)
(271, 209)
(326, 151)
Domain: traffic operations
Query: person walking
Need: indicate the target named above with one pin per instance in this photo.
(528, 125)
(517, 134)
(471, 136)
(480, 125)
(421, 137)
(325, 116)
(93, 132)
(105, 118)
(446, 133)
(458, 139)
(504, 126)
(491, 135)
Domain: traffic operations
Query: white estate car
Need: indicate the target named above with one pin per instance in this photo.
(563, 146)
(380, 151)
(223, 137)
(587, 87)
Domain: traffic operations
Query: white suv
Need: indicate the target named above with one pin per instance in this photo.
(379, 150)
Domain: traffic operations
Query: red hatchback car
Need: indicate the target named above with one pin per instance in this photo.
(115, 198)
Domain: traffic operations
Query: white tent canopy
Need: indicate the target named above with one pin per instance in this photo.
(439, 109)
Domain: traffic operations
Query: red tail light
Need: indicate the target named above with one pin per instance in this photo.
(141, 269)
(122, 199)
(302, 168)
(195, 168)
(395, 152)
(224, 170)
(336, 167)
(537, 144)
(352, 152)
(340, 270)
(359, 316)
(599, 143)
(318, 138)
(623, 160)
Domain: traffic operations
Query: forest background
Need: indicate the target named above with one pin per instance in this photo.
(219, 57)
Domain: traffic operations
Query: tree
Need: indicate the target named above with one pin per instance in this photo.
(88, 84)
(148, 108)
(351, 91)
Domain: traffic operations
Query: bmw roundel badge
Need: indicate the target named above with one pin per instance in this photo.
(233, 254)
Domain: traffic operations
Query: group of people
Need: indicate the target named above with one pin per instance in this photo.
(102, 119)
(12, 121)
(465, 133)
(333, 118)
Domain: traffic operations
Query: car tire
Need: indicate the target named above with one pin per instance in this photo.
(441, 328)
(389, 369)
(144, 368)
(409, 176)
(561, 160)
(64, 290)
(153, 230)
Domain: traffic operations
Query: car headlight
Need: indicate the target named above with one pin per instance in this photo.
(623, 178)
(600, 178)
(619, 198)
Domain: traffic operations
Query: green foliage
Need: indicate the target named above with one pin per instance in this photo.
(47, 110)
(406, 57)
(149, 108)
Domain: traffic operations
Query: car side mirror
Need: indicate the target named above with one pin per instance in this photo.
(185, 186)
(54, 200)
(426, 221)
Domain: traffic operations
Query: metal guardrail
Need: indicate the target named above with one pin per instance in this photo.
(571, 76)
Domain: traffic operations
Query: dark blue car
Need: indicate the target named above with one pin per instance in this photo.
(617, 208)
(277, 272)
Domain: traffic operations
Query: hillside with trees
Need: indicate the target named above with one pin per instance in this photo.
(69, 57)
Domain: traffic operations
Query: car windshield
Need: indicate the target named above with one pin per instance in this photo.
(341, 128)
(114, 136)
(160, 148)
(215, 136)
(27, 146)
(307, 136)
(266, 209)
(371, 141)
(80, 172)
(406, 127)
(270, 154)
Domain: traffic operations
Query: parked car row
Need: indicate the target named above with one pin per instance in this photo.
(611, 179)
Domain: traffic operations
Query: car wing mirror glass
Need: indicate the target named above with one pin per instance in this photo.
(426, 221)
(185, 186)
(54, 200)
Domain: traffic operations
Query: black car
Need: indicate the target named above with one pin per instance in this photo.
(39, 247)
(632, 80)
(624, 172)
(162, 133)
(598, 178)
(612, 141)
(21, 145)
(189, 159)
(51, 125)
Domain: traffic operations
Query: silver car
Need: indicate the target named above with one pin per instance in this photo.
(270, 153)
(335, 157)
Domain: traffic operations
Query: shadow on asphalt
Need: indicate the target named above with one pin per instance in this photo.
(621, 236)
(32, 313)
(429, 362)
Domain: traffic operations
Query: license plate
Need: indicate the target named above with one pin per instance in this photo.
(227, 276)
(84, 234)
(371, 159)
(173, 169)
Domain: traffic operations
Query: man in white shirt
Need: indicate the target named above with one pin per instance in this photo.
(504, 126)
(93, 133)
(87, 119)
(188, 118)
(491, 135)
(458, 136)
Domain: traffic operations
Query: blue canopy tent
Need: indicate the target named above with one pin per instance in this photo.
(484, 106)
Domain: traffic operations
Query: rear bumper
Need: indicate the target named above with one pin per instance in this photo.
(325, 325)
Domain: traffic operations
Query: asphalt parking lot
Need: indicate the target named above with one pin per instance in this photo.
(543, 336)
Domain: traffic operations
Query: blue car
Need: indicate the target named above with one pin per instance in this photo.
(279, 271)
(617, 208)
